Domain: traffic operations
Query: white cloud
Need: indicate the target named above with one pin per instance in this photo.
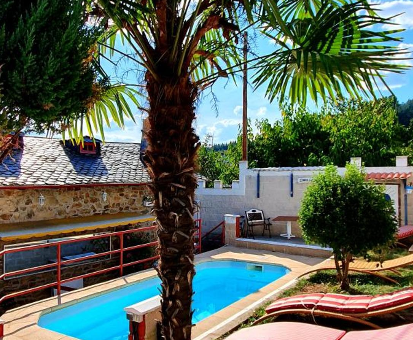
(391, 8)
(408, 47)
(392, 87)
(228, 122)
(262, 111)
(238, 110)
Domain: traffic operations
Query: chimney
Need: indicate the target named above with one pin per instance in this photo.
(401, 161)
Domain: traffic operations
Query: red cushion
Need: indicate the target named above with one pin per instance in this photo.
(405, 231)
(287, 331)
(356, 304)
(307, 301)
(344, 303)
(391, 300)
(404, 332)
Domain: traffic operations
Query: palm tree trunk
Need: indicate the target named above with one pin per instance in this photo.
(170, 157)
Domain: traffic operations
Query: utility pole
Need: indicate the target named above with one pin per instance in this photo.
(245, 102)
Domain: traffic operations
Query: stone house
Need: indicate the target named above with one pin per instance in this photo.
(53, 190)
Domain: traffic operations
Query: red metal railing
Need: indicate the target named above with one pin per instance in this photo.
(221, 224)
(59, 262)
(198, 236)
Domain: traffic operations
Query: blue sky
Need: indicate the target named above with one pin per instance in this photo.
(224, 122)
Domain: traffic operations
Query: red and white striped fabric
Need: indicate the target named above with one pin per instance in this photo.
(287, 331)
(344, 303)
(391, 300)
(404, 332)
(307, 301)
(340, 303)
(404, 231)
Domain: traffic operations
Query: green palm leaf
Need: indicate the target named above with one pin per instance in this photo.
(332, 54)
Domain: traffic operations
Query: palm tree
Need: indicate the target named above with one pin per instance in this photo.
(322, 49)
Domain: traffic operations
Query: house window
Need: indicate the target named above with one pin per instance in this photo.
(88, 148)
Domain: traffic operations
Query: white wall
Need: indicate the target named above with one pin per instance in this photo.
(274, 193)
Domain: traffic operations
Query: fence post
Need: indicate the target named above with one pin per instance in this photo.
(200, 235)
(142, 319)
(237, 226)
(1, 329)
(59, 274)
(121, 253)
(223, 233)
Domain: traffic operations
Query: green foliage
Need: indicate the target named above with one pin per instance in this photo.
(221, 164)
(321, 59)
(51, 77)
(346, 213)
(209, 164)
(300, 139)
(367, 129)
(405, 112)
(45, 49)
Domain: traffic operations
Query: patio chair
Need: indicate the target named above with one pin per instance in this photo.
(300, 331)
(372, 268)
(340, 306)
(256, 217)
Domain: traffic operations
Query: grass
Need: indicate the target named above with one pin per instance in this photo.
(360, 284)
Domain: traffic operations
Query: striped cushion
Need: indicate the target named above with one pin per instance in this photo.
(307, 301)
(344, 303)
(391, 300)
(404, 332)
(287, 331)
(405, 231)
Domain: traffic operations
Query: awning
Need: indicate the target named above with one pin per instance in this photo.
(48, 229)
(383, 176)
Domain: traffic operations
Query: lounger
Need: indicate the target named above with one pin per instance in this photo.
(302, 331)
(404, 232)
(347, 307)
(373, 268)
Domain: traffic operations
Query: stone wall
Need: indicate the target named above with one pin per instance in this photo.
(22, 205)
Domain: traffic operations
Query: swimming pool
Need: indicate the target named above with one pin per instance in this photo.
(103, 317)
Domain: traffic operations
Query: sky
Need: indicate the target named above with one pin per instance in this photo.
(220, 114)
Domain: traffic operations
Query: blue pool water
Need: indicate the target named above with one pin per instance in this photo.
(217, 284)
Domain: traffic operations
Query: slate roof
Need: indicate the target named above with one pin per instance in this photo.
(45, 161)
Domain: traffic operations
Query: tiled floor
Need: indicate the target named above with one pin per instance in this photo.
(21, 323)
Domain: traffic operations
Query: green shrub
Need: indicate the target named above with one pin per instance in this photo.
(348, 214)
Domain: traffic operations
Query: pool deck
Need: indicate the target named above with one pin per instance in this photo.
(21, 323)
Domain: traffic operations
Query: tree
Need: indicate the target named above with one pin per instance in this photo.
(348, 214)
(405, 112)
(322, 48)
(50, 76)
(367, 129)
(209, 163)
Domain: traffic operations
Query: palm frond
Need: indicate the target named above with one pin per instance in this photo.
(112, 104)
(336, 52)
